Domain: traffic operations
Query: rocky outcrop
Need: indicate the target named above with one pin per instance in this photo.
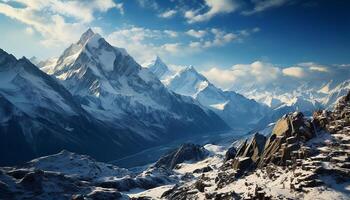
(281, 148)
(230, 153)
(187, 152)
(248, 155)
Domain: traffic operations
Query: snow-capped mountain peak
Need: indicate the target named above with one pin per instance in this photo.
(233, 108)
(158, 68)
(86, 36)
(188, 82)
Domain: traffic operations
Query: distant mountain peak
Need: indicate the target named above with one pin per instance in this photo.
(158, 67)
(191, 71)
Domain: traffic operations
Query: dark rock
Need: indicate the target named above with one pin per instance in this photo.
(254, 148)
(77, 197)
(18, 173)
(141, 198)
(104, 195)
(187, 152)
(203, 170)
(230, 154)
(199, 185)
(242, 164)
(33, 181)
(5, 192)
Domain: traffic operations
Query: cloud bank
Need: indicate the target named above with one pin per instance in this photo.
(262, 75)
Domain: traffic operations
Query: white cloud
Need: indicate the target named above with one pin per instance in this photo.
(172, 48)
(148, 4)
(262, 5)
(314, 66)
(143, 44)
(133, 39)
(215, 7)
(171, 33)
(58, 22)
(196, 34)
(168, 14)
(257, 72)
(259, 75)
(220, 77)
(294, 71)
(29, 30)
(217, 37)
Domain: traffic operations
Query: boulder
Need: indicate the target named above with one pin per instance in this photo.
(203, 170)
(242, 164)
(253, 149)
(187, 152)
(104, 195)
(282, 127)
(249, 153)
(230, 154)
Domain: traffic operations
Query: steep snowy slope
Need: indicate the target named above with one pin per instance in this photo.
(333, 94)
(235, 109)
(114, 88)
(38, 116)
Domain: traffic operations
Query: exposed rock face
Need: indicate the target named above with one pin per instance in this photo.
(288, 135)
(187, 152)
(230, 154)
(249, 153)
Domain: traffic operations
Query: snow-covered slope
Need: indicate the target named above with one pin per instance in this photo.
(114, 88)
(38, 116)
(75, 165)
(333, 94)
(235, 109)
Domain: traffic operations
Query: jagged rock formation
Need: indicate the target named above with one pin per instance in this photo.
(187, 152)
(280, 148)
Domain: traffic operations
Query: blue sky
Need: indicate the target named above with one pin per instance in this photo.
(209, 34)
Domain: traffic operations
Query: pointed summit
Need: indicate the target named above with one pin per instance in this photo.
(190, 71)
(158, 67)
(86, 36)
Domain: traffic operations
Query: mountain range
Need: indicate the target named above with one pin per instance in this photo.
(236, 110)
(95, 99)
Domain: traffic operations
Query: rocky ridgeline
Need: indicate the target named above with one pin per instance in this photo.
(302, 158)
